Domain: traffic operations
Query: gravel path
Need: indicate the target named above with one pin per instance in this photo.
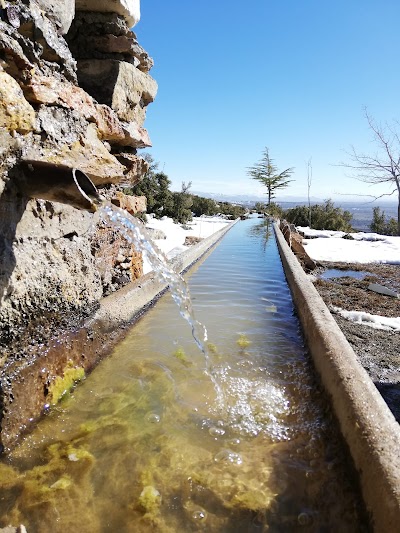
(377, 350)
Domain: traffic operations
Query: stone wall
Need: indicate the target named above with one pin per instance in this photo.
(74, 87)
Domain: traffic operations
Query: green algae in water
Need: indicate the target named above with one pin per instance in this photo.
(243, 341)
(182, 357)
(62, 484)
(212, 348)
(59, 489)
(62, 386)
(150, 499)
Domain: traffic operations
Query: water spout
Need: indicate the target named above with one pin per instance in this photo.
(58, 183)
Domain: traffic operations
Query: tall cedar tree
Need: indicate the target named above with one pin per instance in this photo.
(266, 172)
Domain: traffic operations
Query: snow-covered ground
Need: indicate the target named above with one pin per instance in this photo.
(175, 234)
(362, 248)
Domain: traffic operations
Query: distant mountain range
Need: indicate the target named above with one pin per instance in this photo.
(250, 199)
(233, 198)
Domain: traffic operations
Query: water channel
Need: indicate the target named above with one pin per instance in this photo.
(142, 445)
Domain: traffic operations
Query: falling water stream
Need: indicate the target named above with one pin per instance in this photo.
(145, 445)
(135, 233)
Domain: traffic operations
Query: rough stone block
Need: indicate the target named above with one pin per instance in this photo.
(135, 168)
(14, 57)
(192, 240)
(135, 136)
(49, 90)
(36, 26)
(109, 127)
(132, 204)
(136, 266)
(60, 11)
(129, 9)
(112, 47)
(16, 114)
(295, 241)
(85, 152)
(127, 91)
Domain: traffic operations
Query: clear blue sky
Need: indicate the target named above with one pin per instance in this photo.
(235, 77)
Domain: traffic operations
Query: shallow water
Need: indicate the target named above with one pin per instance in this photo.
(143, 445)
(331, 273)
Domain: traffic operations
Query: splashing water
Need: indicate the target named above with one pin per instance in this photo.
(135, 233)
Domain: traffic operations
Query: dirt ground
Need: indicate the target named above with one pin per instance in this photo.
(377, 350)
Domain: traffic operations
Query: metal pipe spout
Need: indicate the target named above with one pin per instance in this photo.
(58, 183)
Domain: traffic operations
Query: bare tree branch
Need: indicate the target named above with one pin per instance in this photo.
(382, 167)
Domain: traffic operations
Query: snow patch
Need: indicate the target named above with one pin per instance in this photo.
(325, 245)
(173, 245)
(366, 319)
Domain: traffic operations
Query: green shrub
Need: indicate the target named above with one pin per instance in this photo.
(323, 216)
(155, 187)
(204, 206)
(274, 210)
(382, 226)
(231, 210)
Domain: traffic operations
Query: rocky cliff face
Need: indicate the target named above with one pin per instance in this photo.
(74, 87)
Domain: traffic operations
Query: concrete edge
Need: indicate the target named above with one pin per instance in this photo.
(132, 300)
(368, 426)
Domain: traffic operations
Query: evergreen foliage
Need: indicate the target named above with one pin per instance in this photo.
(260, 207)
(155, 186)
(324, 216)
(204, 206)
(266, 172)
(179, 206)
(381, 225)
(233, 211)
(274, 210)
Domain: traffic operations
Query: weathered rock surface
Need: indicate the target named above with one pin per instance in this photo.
(295, 241)
(60, 11)
(190, 241)
(106, 37)
(132, 204)
(135, 167)
(42, 33)
(128, 90)
(55, 262)
(72, 142)
(16, 114)
(129, 9)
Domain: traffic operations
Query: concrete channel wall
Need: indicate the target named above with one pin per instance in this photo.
(368, 426)
(130, 301)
